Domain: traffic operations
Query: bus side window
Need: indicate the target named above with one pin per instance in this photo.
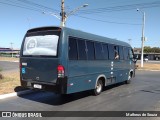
(73, 49)
(81, 50)
(126, 53)
(111, 51)
(105, 51)
(121, 53)
(116, 53)
(99, 52)
(130, 53)
(90, 50)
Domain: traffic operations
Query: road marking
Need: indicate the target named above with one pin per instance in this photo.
(148, 70)
(3, 96)
(7, 61)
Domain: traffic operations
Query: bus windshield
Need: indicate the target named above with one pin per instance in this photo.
(43, 43)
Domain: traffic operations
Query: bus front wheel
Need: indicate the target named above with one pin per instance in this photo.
(129, 79)
(98, 88)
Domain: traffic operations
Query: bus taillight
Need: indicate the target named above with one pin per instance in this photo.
(60, 70)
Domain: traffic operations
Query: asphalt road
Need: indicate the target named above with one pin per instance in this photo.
(7, 65)
(150, 62)
(143, 94)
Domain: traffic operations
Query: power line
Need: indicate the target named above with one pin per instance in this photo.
(38, 5)
(27, 5)
(33, 9)
(38, 10)
(121, 8)
(107, 21)
(111, 16)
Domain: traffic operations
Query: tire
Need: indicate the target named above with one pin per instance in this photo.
(129, 79)
(99, 87)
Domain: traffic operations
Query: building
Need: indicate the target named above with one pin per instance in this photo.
(8, 52)
(150, 56)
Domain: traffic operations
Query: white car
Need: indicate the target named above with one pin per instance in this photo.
(17, 55)
(145, 59)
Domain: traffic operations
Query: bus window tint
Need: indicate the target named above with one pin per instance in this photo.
(41, 44)
(73, 49)
(116, 52)
(121, 52)
(81, 50)
(126, 53)
(90, 50)
(105, 51)
(130, 53)
(99, 53)
(111, 51)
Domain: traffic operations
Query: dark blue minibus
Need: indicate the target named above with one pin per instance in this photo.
(65, 61)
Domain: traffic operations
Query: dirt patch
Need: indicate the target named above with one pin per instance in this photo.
(149, 66)
(9, 82)
(1, 76)
(8, 59)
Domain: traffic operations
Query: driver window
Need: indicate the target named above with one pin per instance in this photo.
(130, 53)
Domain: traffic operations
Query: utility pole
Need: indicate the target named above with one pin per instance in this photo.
(63, 19)
(143, 37)
(63, 15)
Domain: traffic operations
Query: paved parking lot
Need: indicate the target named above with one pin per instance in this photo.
(8, 66)
(143, 94)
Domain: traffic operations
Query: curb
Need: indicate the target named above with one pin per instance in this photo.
(9, 61)
(3, 96)
(148, 70)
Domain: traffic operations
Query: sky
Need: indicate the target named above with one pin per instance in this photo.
(116, 19)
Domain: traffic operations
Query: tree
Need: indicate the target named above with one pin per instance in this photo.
(148, 49)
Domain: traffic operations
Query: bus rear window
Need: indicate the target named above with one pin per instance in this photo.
(41, 44)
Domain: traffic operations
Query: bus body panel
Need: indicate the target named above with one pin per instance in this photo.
(83, 74)
(39, 69)
(80, 75)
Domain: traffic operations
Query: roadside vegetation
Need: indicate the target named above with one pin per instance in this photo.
(1, 77)
(148, 66)
(9, 82)
(148, 49)
(9, 59)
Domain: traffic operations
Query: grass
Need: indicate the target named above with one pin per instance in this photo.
(149, 66)
(9, 82)
(8, 59)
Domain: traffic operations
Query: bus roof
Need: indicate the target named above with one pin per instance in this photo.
(85, 35)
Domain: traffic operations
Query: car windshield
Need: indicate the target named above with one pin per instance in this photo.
(41, 44)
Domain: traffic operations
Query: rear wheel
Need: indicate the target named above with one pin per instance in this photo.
(98, 88)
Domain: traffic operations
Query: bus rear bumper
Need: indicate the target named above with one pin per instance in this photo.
(60, 87)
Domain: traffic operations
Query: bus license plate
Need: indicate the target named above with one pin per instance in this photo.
(37, 86)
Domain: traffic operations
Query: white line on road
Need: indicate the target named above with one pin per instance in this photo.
(7, 61)
(148, 70)
(15, 94)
